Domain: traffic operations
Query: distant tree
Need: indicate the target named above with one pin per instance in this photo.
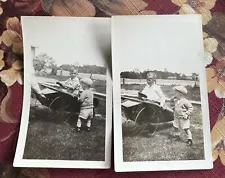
(165, 75)
(66, 67)
(40, 61)
(43, 61)
(160, 74)
(54, 70)
(178, 76)
(125, 74)
(94, 69)
(194, 76)
(144, 74)
(38, 64)
(50, 63)
(183, 77)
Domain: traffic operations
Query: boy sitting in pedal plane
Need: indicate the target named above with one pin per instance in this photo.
(73, 83)
(153, 91)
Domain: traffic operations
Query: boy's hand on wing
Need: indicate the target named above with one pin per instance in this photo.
(42, 95)
(143, 98)
(162, 106)
(58, 83)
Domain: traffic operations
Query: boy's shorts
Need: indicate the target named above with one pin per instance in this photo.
(86, 113)
(181, 123)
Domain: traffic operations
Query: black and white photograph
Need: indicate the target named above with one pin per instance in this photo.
(67, 110)
(161, 118)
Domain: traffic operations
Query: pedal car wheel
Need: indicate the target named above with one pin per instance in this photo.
(59, 104)
(93, 112)
(95, 102)
(129, 126)
(144, 118)
(36, 103)
(35, 100)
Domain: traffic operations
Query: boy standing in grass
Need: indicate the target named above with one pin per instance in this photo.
(182, 111)
(86, 99)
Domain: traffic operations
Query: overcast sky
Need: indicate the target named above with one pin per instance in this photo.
(158, 43)
(69, 40)
(138, 43)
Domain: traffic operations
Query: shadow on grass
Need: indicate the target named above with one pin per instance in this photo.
(145, 130)
(161, 147)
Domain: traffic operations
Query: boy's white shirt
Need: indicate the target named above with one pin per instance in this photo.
(154, 93)
(73, 82)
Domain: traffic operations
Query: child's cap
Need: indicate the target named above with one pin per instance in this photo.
(87, 81)
(181, 89)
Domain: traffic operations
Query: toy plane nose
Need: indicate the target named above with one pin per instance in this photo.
(142, 95)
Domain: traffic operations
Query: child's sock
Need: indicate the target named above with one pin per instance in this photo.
(78, 124)
(189, 135)
(88, 124)
(176, 132)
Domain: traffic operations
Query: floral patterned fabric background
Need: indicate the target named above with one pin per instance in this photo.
(11, 70)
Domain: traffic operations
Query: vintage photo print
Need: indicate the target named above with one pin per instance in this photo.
(161, 119)
(67, 108)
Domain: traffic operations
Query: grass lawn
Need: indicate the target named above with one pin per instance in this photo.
(162, 147)
(50, 136)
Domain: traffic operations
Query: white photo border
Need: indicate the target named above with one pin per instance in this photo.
(40, 163)
(119, 164)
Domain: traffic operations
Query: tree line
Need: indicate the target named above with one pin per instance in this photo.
(43, 61)
(160, 75)
(93, 69)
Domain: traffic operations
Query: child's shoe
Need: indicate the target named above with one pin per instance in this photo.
(78, 129)
(189, 142)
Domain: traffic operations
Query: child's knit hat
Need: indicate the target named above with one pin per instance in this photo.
(87, 81)
(181, 89)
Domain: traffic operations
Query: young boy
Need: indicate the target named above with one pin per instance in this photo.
(72, 83)
(152, 90)
(182, 111)
(86, 99)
